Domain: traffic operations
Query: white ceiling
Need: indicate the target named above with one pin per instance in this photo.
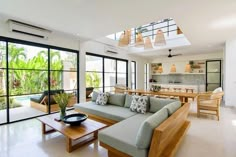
(207, 24)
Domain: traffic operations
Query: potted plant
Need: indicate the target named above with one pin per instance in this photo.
(62, 100)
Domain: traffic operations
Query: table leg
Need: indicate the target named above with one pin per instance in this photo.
(68, 144)
(95, 134)
(43, 128)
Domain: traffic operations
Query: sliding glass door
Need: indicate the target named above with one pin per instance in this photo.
(3, 89)
(29, 74)
(103, 72)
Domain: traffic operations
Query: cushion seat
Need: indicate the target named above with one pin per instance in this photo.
(116, 113)
(122, 135)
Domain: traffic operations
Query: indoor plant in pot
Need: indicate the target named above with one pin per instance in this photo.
(62, 100)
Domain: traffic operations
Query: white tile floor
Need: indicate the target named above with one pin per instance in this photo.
(205, 138)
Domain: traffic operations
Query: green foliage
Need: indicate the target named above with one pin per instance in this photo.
(62, 99)
(92, 79)
(33, 81)
(3, 104)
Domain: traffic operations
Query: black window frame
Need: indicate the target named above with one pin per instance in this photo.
(103, 68)
(48, 47)
(135, 75)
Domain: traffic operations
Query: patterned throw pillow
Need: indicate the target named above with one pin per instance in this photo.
(102, 98)
(139, 104)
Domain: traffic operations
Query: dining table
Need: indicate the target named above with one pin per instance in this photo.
(183, 96)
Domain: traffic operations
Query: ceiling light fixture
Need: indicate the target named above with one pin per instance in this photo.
(125, 38)
(148, 43)
(173, 68)
(139, 40)
(160, 38)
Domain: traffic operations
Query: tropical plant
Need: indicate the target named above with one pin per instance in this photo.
(92, 79)
(62, 99)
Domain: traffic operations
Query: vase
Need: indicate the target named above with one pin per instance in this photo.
(62, 113)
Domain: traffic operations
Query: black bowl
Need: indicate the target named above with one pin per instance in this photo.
(75, 119)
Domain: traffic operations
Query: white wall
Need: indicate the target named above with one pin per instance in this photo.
(230, 73)
(99, 48)
(55, 38)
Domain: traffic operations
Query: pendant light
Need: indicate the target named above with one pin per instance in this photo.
(139, 40)
(173, 68)
(148, 43)
(188, 68)
(160, 39)
(121, 42)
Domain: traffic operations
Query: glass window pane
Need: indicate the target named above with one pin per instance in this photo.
(94, 79)
(27, 81)
(110, 79)
(110, 65)
(20, 107)
(93, 63)
(121, 79)
(213, 66)
(3, 111)
(2, 54)
(27, 57)
(121, 66)
(213, 77)
(63, 80)
(62, 60)
(109, 89)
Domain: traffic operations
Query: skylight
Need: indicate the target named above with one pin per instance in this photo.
(168, 26)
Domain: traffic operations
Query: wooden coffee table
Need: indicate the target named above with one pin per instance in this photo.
(72, 133)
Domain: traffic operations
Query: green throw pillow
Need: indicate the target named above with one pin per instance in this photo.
(128, 100)
(157, 103)
(94, 96)
(116, 99)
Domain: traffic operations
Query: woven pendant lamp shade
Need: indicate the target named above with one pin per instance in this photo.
(160, 69)
(173, 69)
(188, 68)
(160, 39)
(128, 36)
(139, 40)
(148, 43)
(121, 42)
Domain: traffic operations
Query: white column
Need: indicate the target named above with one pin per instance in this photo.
(82, 66)
(230, 73)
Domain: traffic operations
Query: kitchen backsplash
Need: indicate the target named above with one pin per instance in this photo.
(179, 78)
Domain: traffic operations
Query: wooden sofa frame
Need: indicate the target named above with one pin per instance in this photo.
(165, 139)
(43, 105)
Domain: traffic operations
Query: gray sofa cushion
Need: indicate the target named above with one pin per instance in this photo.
(157, 103)
(172, 107)
(128, 100)
(116, 99)
(112, 112)
(94, 96)
(122, 135)
(144, 136)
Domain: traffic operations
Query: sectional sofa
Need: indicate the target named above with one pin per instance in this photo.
(157, 133)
